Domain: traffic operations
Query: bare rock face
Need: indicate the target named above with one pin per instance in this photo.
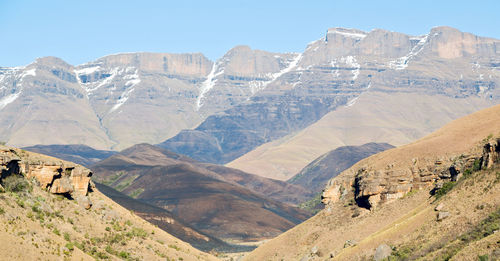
(491, 153)
(374, 186)
(56, 176)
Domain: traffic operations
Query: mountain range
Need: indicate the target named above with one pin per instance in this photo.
(250, 106)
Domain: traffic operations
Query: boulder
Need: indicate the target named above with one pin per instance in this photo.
(383, 251)
(314, 250)
(83, 201)
(61, 186)
(443, 215)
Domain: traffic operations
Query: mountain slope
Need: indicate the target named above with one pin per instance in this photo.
(214, 203)
(317, 173)
(401, 100)
(466, 150)
(166, 221)
(51, 211)
(80, 154)
(99, 103)
(261, 96)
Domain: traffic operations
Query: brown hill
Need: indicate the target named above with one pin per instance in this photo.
(459, 164)
(50, 210)
(211, 201)
(168, 222)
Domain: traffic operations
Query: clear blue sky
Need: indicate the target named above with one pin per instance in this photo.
(81, 31)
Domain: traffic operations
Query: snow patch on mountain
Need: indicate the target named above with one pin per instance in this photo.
(273, 76)
(352, 102)
(123, 98)
(116, 73)
(30, 72)
(9, 99)
(351, 61)
(402, 62)
(208, 84)
(87, 70)
(347, 33)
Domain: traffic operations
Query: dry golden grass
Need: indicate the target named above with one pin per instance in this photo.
(409, 222)
(38, 225)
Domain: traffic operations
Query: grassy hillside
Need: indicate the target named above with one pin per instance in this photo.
(438, 218)
(38, 224)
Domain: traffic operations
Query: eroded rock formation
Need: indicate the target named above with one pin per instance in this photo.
(371, 186)
(56, 176)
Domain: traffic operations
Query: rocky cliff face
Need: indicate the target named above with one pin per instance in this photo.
(334, 72)
(242, 100)
(392, 174)
(56, 176)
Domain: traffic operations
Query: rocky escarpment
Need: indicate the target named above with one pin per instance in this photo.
(337, 72)
(370, 186)
(53, 175)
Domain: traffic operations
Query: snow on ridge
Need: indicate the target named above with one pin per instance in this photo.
(87, 70)
(30, 72)
(208, 84)
(402, 62)
(347, 34)
(255, 87)
(9, 99)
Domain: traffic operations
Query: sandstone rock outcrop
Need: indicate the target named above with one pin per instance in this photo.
(370, 183)
(56, 176)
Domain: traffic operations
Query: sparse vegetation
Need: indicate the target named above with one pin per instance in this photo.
(125, 183)
(16, 183)
(136, 192)
(445, 189)
(312, 204)
(483, 258)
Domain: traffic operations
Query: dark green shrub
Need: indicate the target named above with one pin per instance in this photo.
(483, 258)
(124, 255)
(66, 236)
(445, 189)
(16, 183)
(70, 246)
(477, 165)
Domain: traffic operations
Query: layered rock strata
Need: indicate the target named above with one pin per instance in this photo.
(56, 176)
(371, 186)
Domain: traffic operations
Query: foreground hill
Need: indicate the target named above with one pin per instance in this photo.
(77, 153)
(207, 197)
(317, 173)
(50, 210)
(458, 165)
